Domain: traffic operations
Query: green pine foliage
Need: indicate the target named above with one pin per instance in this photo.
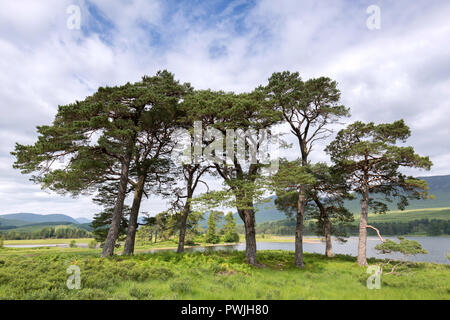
(229, 229)
(211, 232)
(406, 247)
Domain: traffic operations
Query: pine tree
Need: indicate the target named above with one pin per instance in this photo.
(326, 190)
(368, 155)
(309, 107)
(108, 137)
(229, 229)
(247, 112)
(211, 232)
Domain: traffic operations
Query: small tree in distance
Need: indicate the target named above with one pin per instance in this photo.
(211, 234)
(229, 229)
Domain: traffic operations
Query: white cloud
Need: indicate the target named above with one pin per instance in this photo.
(400, 71)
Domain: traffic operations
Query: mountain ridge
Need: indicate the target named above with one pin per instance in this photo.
(32, 218)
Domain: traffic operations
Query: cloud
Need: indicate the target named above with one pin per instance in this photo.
(399, 71)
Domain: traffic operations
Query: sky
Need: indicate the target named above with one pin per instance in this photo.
(390, 66)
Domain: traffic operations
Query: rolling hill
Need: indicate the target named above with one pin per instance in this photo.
(31, 222)
(32, 218)
(439, 188)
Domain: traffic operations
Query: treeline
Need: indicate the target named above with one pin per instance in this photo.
(163, 227)
(47, 233)
(429, 227)
(161, 137)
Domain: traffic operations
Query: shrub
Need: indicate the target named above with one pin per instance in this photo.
(231, 237)
(140, 294)
(1, 242)
(73, 244)
(181, 286)
(92, 244)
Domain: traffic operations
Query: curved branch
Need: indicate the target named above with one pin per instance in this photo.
(378, 232)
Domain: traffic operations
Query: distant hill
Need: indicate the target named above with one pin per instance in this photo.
(266, 211)
(11, 223)
(439, 187)
(21, 219)
(83, 220)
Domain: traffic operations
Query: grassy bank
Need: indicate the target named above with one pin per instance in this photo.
(46, 241)
(168, 244)
(40, 273)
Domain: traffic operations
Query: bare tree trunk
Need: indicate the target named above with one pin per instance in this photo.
(362, 260)
(108, 248)
(250, 237)
(134, 214)
(326, 228)
(184, 216)
(328, 243)
(248, 217)
(299, 229)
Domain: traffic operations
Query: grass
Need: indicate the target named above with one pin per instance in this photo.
(40, 273)
(46, 241)
(171, 243)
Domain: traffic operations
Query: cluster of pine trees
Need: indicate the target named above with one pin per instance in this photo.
(119, 142)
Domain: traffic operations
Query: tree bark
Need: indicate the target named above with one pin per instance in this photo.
(108, 248)
(362, 244)
(134, 214)
(248, 217)
(250, 236)
(184, 216)
(298, 261)
(328, 243)
(326, 228)
(299, 229)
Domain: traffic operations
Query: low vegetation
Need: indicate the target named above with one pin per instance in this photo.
(41, 274)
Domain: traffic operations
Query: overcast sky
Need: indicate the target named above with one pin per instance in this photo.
(401, 70)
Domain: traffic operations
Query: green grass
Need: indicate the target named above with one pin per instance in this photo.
(46, 241)
(41, 274)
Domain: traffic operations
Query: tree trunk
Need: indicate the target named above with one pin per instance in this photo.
(362, 260)
(108, 248)
(248, 217)
(134, 214)
(327, 232)
(326, 228)
(299, 229)
(184, 216)
(250, 237)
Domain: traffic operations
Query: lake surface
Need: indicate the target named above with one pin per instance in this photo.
(437, 248)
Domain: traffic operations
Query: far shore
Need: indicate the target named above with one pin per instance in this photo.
(84, 241)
